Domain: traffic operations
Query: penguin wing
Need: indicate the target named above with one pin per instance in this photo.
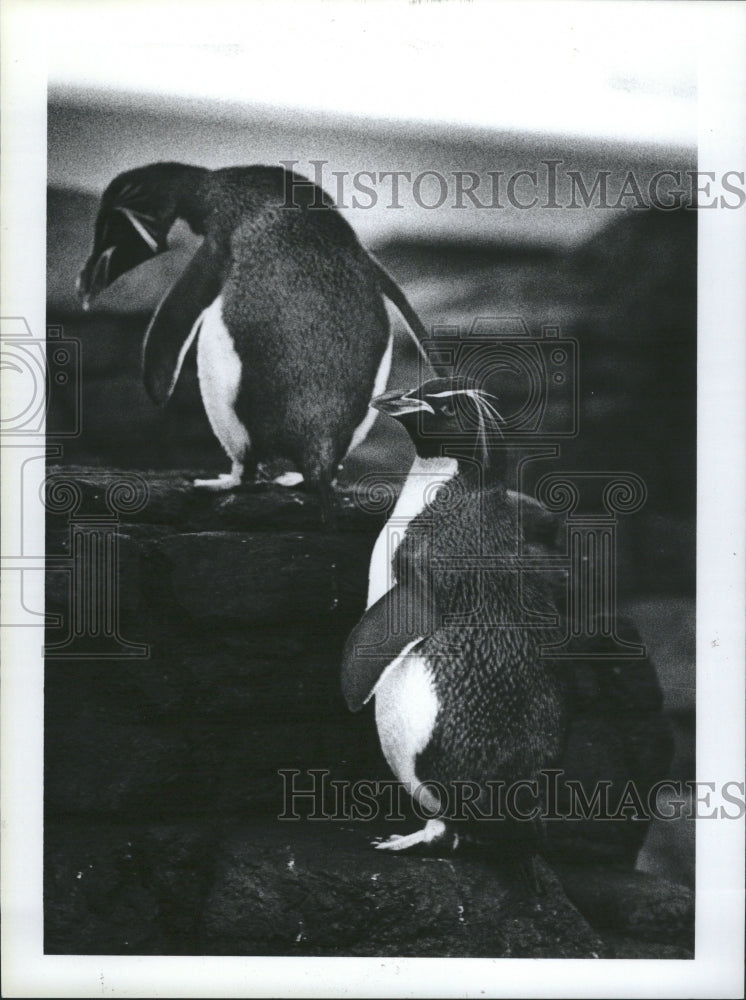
(401, 618)
(174, 323)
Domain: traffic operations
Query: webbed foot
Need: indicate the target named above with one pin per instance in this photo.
(225, 481)
(433, 834)
(289, 479)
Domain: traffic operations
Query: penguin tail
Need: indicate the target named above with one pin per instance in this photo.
(517, 847)
(396, 296)
(529, 875)
(317, 472)
(327, 503)
(528, 852)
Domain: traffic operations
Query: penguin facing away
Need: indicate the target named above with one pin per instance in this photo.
(288, 308)
(461, 691)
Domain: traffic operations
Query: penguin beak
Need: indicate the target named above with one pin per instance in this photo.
(123, 241)
(94, 277)
(396, 403)
(82, 293)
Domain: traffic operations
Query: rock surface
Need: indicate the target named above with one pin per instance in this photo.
(315, 890)
(631, 903)
(162, 784)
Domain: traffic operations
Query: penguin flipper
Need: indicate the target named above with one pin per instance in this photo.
(400, 619)
(174, 323)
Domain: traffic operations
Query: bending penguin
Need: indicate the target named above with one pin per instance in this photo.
(461, 691)
(288, 308)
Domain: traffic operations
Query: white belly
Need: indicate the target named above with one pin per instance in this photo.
(424, 479)
(379, 386)
(406, 709)
(219, 371)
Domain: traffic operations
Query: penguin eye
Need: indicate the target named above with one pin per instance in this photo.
(448, 410)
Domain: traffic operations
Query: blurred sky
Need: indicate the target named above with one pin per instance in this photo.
(378, 86)
(597, 69)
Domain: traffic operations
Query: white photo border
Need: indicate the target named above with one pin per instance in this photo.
(717, 969)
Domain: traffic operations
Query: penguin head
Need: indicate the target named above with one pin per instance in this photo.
(448, 416)
(136, 213)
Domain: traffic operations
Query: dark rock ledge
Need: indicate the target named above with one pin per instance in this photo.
(176, 693)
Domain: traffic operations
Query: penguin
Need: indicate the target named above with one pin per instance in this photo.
(287, 308)
(449, 647)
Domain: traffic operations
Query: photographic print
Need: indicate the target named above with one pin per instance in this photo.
(360, 585)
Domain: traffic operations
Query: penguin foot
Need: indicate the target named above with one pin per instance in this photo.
(289, 479)
(432, 834)
(225, 481)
